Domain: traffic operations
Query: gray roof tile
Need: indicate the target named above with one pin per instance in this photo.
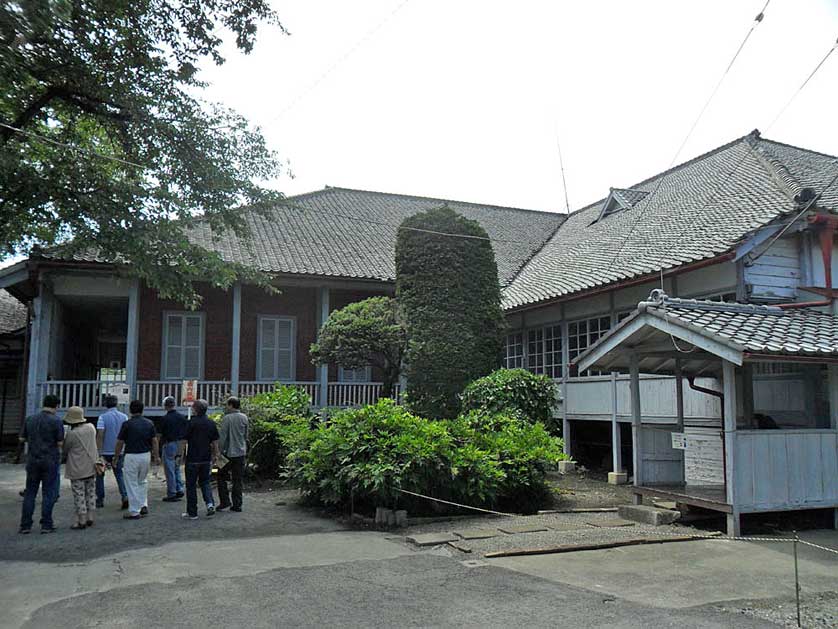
(12, 313)
(755, 329)
(694, 211)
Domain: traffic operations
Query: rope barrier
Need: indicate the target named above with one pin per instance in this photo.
(813, 545)
(456, 504)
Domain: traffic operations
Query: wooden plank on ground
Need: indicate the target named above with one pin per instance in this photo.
(572, 548)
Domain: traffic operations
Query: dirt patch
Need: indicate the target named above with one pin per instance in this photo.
(585, 489)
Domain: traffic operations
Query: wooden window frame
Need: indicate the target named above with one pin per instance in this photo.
(293, 321)
(164, 353)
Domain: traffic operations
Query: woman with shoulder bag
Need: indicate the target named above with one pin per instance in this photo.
(82, 465)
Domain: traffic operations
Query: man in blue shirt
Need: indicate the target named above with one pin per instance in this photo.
(172, 431)
(107, 430)
(44, 433)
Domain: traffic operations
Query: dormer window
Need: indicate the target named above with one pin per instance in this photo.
(620, 199)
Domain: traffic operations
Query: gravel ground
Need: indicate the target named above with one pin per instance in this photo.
(816, 610)
(584, 489)
(564, 528)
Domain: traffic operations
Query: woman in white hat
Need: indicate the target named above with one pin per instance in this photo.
(81, 453)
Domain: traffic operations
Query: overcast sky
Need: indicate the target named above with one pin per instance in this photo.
(464, 99)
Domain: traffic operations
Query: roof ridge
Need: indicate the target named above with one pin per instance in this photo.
(706, 304)
(777, 170)
(425, 198)
(798, 148)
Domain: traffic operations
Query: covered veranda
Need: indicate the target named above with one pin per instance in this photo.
(779, 433)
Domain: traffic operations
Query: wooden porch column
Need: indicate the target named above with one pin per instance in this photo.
(832, 371)
(729, 382)
(636, 426)
(616, 444)
(323, 370)
(236, 338)
(679, 410)
(132, 337)
(39, 336)
(565, 377)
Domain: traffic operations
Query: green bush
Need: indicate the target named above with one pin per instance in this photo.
(448, 292)
(514, 391)
(279, 421)
(368, 454)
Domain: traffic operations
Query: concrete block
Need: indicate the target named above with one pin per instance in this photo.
(401, 517)
(648, 515)
(512, 530)
(618, 478)
(610, 523)
(432, 539)
(666, 504)
(477, 533)
(566, 466)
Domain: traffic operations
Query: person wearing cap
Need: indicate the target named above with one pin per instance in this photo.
(107, 430)
(81, 454)
(172, 432)
(44, 434)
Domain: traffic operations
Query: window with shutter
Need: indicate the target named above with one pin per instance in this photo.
(362, 374)
(183, 346)
(275, 349)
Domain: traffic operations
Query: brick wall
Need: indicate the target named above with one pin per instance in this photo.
(218, 308)
(297, 302)
(300, 303)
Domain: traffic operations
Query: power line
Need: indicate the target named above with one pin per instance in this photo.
(802, 85)
(352, 49)
(44, 138)
(561, 167)
(647, 201)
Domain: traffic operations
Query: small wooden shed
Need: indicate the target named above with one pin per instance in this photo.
(778, 437)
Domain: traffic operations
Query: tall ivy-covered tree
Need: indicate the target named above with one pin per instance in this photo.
(361, 334)
(105, 144)
(449, 295)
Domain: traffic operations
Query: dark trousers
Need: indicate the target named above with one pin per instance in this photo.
(116, 467)
(234, 468)
(41, 474)
(198, 474)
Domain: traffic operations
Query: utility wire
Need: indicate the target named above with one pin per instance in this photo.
(561, 167)
(802, 85)
(44, 138)
(647, 201)
(349, 52)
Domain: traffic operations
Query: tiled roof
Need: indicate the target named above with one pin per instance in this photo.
(755, 329)
(628, 197)
(346, 233)
(12, 313)
(697, 210)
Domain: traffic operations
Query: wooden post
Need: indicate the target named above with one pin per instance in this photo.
(565, 369)
(729, 383)
(32, 374)
(636, 425)
(748, 394)
(323, 370)
(832, 371)
(236, 339)
(132, 337)
(616, 445)
(679, 411)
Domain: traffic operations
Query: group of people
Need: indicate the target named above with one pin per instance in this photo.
(128, 446)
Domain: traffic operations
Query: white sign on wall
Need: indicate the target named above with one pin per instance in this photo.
(679, 441)
(122, 392)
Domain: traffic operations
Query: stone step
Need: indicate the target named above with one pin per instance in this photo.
(648, 515)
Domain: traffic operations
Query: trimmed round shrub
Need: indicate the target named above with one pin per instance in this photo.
(449, 296)
(531, 395)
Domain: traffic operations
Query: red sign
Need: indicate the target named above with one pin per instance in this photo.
(189, 392)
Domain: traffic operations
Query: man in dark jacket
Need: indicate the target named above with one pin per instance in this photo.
(172, 432)
(201, 450)
(44, 433)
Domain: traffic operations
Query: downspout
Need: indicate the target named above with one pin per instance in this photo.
(827, 241)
